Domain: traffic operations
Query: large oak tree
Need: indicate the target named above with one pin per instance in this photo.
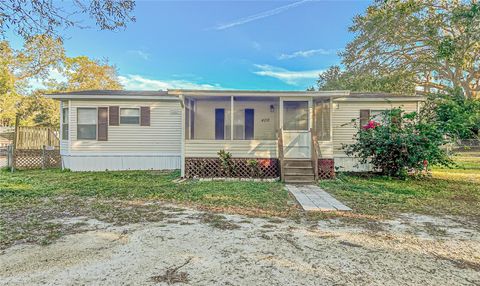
(436, 40)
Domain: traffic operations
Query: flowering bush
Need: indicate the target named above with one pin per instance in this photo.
(403, 142)
(371, 124)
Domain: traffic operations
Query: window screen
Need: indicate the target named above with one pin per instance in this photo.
(129, 116)
(65, 124)
(295, 115)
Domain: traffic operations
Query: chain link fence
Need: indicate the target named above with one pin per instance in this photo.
(3, 157)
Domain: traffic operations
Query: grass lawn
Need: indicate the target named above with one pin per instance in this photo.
(34, 203)
(447, 192)
(31, 202)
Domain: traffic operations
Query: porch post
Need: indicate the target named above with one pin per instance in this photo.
(331, 118)
(310, 113)
(182, 144)
(281, 113)
(231, 117)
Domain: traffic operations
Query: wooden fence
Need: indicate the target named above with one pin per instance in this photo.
(35, 137)
(34, 148)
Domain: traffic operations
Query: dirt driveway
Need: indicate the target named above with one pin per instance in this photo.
(206, 249)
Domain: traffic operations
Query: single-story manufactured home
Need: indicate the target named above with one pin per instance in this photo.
(296, 135)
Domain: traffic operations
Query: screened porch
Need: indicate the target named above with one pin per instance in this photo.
(251, 126)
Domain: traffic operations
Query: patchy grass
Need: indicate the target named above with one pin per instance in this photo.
(218, 221)
(31, 187)
(30, 200)
(446, 192)
(34, 204)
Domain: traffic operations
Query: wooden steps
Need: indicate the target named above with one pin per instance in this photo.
(298, 171)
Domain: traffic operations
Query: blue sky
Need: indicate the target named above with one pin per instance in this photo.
(279, 45)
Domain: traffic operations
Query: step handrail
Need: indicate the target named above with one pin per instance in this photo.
(314, 154)
(280, 154)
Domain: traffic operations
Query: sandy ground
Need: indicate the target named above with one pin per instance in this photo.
(410, 250)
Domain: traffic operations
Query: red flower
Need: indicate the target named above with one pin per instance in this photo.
(265, 162)
(371, 125)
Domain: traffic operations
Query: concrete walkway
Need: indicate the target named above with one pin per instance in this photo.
(312, 198)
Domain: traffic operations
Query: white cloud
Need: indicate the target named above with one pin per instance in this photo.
(256, 45)
(140, 53)
(260, 15)
(138, 82)
(306, 54)
(287, 76)
(53, 75)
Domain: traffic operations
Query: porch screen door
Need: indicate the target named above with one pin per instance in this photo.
(296, 134)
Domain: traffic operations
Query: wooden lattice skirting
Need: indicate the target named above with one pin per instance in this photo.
(211, 168)
(326, 169)
(36, 159)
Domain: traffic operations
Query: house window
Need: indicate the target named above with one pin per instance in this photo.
(322, 120)
(87, 123)
(65, 123)
(377, 115)
(130, 116)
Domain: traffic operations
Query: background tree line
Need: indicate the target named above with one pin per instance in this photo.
(32, 65)
(41, 24)
(429, 47)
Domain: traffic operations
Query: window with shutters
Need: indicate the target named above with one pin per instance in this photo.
(130, 116)
(364, 117)
(86, 123)
(65, 123)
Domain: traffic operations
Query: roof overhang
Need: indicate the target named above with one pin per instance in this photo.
(255, 93)
(180, 94)
(367, 98)
(60, 96)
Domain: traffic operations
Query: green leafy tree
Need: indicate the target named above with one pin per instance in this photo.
(36, 60)
(336, 79)
(36, 109)
(436, 40)
(18, 67)
(83, 73)
(457, 117)
(29, 18)
(398, 143)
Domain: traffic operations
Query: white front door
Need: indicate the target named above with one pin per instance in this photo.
(296, 128)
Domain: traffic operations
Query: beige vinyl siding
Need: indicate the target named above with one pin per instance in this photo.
(238, 148)
(163, 136)
(343, 130)
(326, 149)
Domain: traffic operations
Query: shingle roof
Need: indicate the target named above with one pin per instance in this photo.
(379, 94)
(114, 92)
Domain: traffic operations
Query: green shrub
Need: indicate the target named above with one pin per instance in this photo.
(254, 167)
(399, 143)
(226, 163)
